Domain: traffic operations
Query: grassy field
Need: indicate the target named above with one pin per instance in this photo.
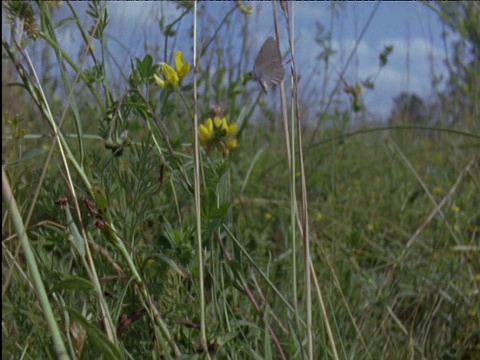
(134, 228)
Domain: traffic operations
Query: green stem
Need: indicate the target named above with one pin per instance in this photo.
(59, 345)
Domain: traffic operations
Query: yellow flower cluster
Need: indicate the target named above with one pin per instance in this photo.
(216, 133)
(173, 76)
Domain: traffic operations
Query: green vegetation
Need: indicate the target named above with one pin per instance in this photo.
(140, 222)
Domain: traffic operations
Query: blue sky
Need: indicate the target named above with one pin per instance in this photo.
(411, 27)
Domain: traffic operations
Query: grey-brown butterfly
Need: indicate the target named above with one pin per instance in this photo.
(268, 69)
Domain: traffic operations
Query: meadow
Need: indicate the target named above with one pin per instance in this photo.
(172, 212)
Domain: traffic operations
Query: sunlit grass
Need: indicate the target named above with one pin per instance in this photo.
(108, 205)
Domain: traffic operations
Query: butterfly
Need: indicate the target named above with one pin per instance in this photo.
(268, 69)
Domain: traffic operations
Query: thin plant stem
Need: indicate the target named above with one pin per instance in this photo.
(7, 195)
(198, 214)
(65, 152)
(255, 304)
(347, 63)
(302, 220)
(293, 186)
(260, 271)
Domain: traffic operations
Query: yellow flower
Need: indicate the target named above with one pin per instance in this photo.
(182, 68)
(173, 76)
(230, 144)
(217, 134)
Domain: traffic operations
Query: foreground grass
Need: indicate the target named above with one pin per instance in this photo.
(398, 282)
(394, 237)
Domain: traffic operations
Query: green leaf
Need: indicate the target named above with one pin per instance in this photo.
(75, 235)
(73, 283)
(93, 74)
(387, 50)
(143, 72)
(106, 347)
(32, 153)
(102, 203)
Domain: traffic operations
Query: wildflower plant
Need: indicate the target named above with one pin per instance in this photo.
(217, 134)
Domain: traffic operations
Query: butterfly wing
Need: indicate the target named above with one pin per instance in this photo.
(268, 69)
